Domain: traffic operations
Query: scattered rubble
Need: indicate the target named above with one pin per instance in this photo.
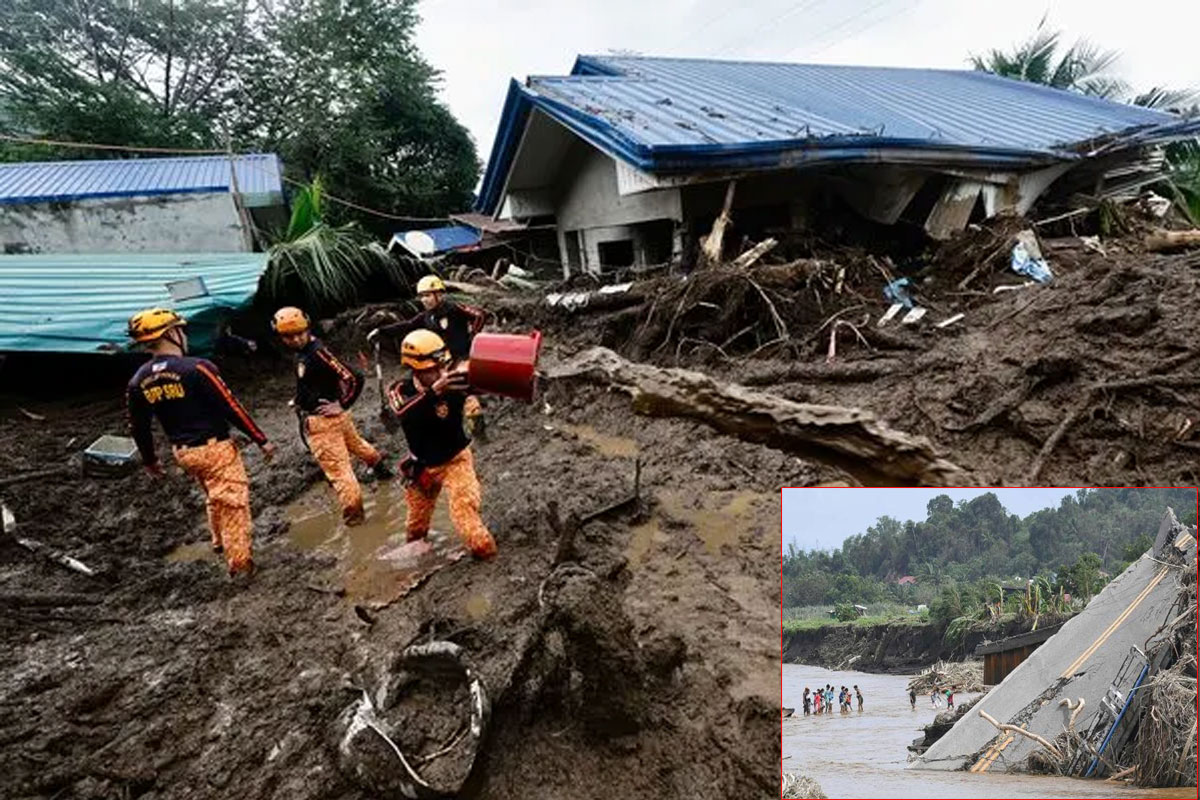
(801, 786)
(961, 676)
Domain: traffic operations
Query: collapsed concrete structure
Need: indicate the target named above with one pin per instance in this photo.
(1085, 680)
(632, 158)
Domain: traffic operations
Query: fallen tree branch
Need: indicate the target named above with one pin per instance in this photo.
(851, 439)
(754, 254)
(62, 559)
(49, 600)
(1005, 727)
(9, 480)
(1085, 400)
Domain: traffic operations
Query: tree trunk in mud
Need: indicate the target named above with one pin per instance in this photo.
(851, 439)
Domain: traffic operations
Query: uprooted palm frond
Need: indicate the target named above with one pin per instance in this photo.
(306, 210)
(329, 265)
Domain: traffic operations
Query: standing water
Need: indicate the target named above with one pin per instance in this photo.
(865, 754)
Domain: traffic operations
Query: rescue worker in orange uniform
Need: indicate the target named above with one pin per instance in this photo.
(456, 324)
(325, 389)
(195, 409)
(429, 405)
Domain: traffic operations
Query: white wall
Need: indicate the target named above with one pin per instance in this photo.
(181, 223)
(591, 203)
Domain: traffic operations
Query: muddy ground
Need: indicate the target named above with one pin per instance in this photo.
(1091, 380)
(649, 668)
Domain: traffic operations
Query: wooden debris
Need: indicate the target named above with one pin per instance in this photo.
(714, 243)
(851, 439)
(9, 480)
(754, 254)
(1172, 240)
(31, 415)
(62, 559)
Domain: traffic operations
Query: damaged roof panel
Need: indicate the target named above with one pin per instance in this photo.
(664, 115)
(259, 175)
(80, 303)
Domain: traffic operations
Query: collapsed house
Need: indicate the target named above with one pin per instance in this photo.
(198, 204)
(632, 158)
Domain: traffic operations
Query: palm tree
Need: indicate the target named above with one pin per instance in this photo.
(1083, 68)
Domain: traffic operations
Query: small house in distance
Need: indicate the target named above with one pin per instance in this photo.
(197, 204)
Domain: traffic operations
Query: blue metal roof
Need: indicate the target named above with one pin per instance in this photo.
(432, 241)
(81, 303)
(665, 115)
(60, 181)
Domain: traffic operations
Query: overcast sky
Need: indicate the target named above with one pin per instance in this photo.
(480, 45)
(823, 518)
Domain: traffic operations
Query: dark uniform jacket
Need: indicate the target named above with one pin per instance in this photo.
(190, 400)
(322, 377)
(432, 423)
(456, 324)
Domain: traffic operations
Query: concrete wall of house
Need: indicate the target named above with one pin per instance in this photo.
(183, 223)
(588, 202)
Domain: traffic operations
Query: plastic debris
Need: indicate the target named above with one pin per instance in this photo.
(913, 316)
(950, 321)
(897, 292)
(1027, 259)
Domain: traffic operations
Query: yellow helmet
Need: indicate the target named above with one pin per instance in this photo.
(423, 349)
(289, 319)
(430, 283)
(151, 324)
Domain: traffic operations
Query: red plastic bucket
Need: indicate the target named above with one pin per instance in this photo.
(504, 363)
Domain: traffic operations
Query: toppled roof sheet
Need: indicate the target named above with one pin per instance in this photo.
(664, 115)
(81, 303)
(486, 224)
(431, 241)
(259, 178)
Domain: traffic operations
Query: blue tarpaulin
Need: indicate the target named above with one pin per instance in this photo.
(432, 241)
(82, 303)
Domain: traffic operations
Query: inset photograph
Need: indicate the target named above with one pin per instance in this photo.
(1024, 642)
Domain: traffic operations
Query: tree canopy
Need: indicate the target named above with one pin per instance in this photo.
(1090, 532)
(336, 88)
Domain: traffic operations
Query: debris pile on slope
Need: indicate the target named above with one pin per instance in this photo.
(1165, 753)
(801, 786)
(961, 676)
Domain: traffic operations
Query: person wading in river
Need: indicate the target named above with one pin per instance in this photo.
(195, 409)
(807, 703)
(912, 698)
(325, 389)
(429, 406)
(858, 694)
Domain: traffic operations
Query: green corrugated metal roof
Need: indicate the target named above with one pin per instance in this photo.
(81, 303)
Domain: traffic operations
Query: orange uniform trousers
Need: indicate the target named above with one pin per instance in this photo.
(332, 441)
(458, 476)
(219, 469)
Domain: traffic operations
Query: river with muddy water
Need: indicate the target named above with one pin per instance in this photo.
(865, 754)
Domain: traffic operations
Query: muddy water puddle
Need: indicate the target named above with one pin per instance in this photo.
(865, 754)
(718, 518)
(602, 443)
(373, 563)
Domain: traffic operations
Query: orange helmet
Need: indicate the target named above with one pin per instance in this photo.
(151, 324)
(289, 319)
(423, 349)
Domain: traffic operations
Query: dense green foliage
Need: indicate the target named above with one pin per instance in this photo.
(336, 88)
(962, 554)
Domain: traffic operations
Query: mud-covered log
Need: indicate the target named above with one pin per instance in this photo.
(851, 439)
(1171, 240)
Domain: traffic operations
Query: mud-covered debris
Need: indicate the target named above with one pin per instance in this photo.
(420, 734)
(852, 439)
